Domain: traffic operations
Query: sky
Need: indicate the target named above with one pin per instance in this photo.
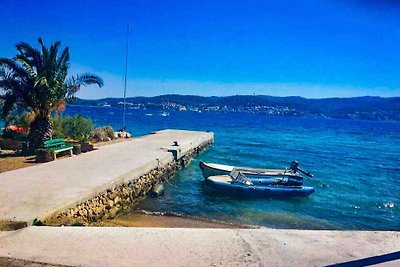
(314, 49)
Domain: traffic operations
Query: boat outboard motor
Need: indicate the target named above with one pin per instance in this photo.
(295, 167)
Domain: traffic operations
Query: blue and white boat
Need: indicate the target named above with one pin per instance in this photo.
(241, 186)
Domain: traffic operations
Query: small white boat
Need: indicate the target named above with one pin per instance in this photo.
(257, 176)
(212, 169)
(164, 114)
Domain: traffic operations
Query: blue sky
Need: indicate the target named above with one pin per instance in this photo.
(308, 48)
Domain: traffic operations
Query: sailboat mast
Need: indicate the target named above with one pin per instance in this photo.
(126, 73)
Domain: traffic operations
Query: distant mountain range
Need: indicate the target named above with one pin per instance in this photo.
(371, 108)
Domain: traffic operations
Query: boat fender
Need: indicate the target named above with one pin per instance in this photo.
(157, 190)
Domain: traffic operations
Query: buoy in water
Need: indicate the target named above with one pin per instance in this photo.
(157, 190)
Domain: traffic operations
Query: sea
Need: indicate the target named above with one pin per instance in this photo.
(356, 167)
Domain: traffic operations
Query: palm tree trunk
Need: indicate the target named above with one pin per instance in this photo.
(40, 130)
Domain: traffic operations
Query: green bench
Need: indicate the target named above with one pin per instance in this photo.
(57, 145)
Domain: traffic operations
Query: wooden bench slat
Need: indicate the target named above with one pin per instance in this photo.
(51, 141)
(63, 148)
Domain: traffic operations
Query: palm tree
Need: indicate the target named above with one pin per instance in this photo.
(37, 81)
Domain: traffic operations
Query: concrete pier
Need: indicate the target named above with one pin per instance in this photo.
(40, 191)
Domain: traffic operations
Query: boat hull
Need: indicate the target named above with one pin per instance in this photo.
(261, 177)
(223, 184)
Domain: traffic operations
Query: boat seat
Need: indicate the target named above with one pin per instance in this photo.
(239, 177)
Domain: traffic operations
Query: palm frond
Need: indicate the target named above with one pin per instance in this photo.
(89, 79)
(9, 84)
(30, 55)
(3, 72)
(24, 47)
(41, 82)
(28, 68)
(8, 104)
(13, 66)
(54, 52)
(63, 60)
(45, 51)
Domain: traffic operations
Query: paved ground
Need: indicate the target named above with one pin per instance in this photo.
(39, 191)
(119, 246)
(11, 262)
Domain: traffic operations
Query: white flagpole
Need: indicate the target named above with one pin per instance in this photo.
(126, 73)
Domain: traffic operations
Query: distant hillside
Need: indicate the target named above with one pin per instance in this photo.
(356, 107)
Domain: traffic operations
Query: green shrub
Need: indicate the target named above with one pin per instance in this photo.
(99, 135)
(78, 128)
(58, 127)
(83, 128)
(109, 131)
(104, 133)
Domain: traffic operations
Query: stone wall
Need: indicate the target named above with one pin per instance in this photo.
(122, 197)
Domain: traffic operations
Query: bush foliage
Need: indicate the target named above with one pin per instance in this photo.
(77, 128)
(80, 128)
(104, 133)
(109, 132)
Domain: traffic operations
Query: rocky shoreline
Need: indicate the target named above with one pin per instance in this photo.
(144, 218)
(121, 197)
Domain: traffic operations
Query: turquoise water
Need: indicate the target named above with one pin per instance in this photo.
(356, 167)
